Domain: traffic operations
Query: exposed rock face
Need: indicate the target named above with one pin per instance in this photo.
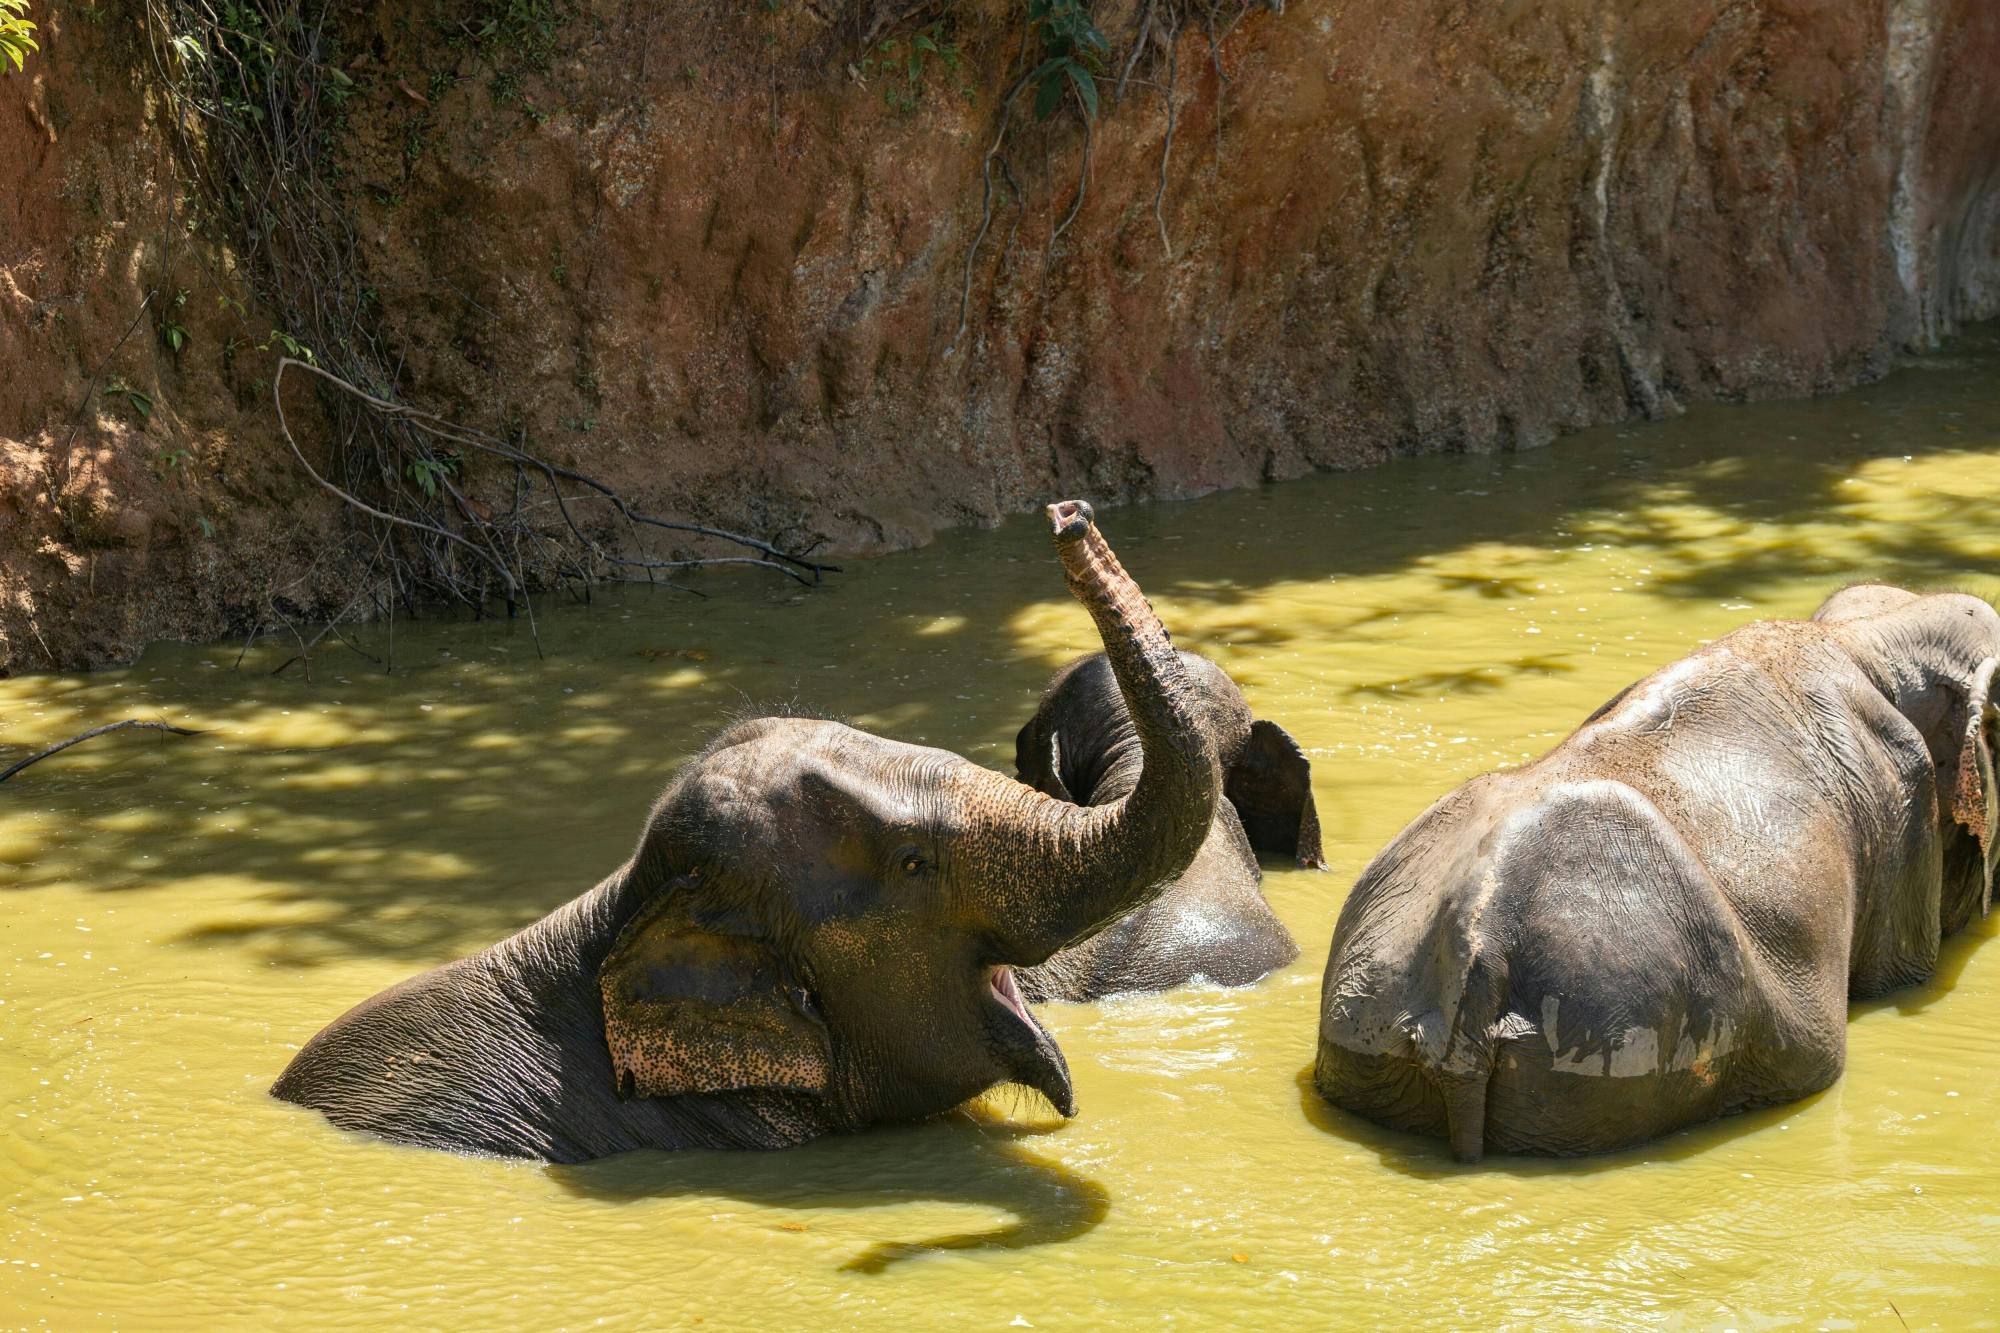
(698, 257)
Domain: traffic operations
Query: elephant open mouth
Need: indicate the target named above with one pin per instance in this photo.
(1029, 1052)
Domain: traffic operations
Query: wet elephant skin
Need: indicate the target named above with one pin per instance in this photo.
(1663, 919)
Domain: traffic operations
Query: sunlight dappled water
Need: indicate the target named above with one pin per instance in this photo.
(182, 913)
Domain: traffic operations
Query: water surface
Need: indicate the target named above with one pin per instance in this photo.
(181, 914)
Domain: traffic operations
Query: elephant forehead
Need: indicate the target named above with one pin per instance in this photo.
(823, 769)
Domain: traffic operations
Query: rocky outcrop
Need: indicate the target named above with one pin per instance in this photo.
(702, 255)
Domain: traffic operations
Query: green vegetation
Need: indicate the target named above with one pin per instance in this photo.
(15, 27)
(1073, 52)
(139, 401)
(172, 332)
(908, 64)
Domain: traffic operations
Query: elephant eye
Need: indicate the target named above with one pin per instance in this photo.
(912, 861)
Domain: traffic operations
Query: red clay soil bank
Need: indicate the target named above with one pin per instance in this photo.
(698, 256)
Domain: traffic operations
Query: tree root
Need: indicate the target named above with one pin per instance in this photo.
(515, 543)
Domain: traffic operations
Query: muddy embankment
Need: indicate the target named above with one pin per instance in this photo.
(716, 255)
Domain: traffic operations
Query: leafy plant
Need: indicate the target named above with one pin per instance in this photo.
(15, 43)
(1073, 54)
(172, 332)
(138, 400)
(295, 349)
(426, 471)
(907, 65)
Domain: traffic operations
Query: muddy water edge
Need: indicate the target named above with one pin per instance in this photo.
(180, 914)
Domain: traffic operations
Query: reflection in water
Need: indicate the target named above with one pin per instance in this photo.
(181, 914)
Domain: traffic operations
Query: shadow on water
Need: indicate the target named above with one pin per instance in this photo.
(961, 1160)
(480, 787)
(1475, 680)
(1424, 1158)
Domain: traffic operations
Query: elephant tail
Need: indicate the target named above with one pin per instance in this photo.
(1466, 1068)
(1465, 1118)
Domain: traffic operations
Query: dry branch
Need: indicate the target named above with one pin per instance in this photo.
(81, 737)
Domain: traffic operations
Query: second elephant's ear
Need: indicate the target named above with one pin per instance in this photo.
(1038, 759)
(1270, 784)
(1975, 796)
(687, 1009)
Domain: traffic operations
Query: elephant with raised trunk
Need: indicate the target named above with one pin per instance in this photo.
(1663, 919)
(1213, 921)
(817, 932)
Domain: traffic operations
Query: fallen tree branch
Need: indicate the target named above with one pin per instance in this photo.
(107, 728)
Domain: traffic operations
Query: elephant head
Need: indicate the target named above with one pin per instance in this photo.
(1934, 658)
(1213, 922)
(1081, 744)
(833, 918)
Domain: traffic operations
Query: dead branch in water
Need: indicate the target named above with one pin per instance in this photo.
(106, 729)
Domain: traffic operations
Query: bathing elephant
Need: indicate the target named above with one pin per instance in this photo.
(1081, 745)
(817, 932)
(1663, 919)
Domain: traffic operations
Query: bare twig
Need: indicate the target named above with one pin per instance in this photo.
(1167, 148)
(80, 738)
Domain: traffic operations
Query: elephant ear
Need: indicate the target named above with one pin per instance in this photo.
(1038, 760)
(688, 1009)
(1975, 797)
(1270, 784)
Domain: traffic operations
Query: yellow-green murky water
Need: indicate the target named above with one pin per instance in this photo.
(179, 914)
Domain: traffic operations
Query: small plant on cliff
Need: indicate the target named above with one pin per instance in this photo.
(15, 42)
(138, 400)
(1073, 52)
(907, 66)
(172, 332)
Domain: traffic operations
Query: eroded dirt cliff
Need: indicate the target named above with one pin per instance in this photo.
(717, 255)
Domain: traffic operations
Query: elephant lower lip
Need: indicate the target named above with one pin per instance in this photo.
(1030, 1052)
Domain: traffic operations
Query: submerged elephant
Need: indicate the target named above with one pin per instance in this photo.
(1663, 919)
(817, 932)
(1213, 922)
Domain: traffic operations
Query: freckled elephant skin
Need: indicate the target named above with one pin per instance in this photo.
(1213, 921)
(815, 934)
(1663, 919)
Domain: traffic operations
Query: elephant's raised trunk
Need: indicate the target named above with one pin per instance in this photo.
(1063, 872)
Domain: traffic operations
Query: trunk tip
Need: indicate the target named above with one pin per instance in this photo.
(1071, 518)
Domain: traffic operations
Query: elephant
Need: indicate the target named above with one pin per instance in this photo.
(1213, 921)
(1662, 920)
(817, 932)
